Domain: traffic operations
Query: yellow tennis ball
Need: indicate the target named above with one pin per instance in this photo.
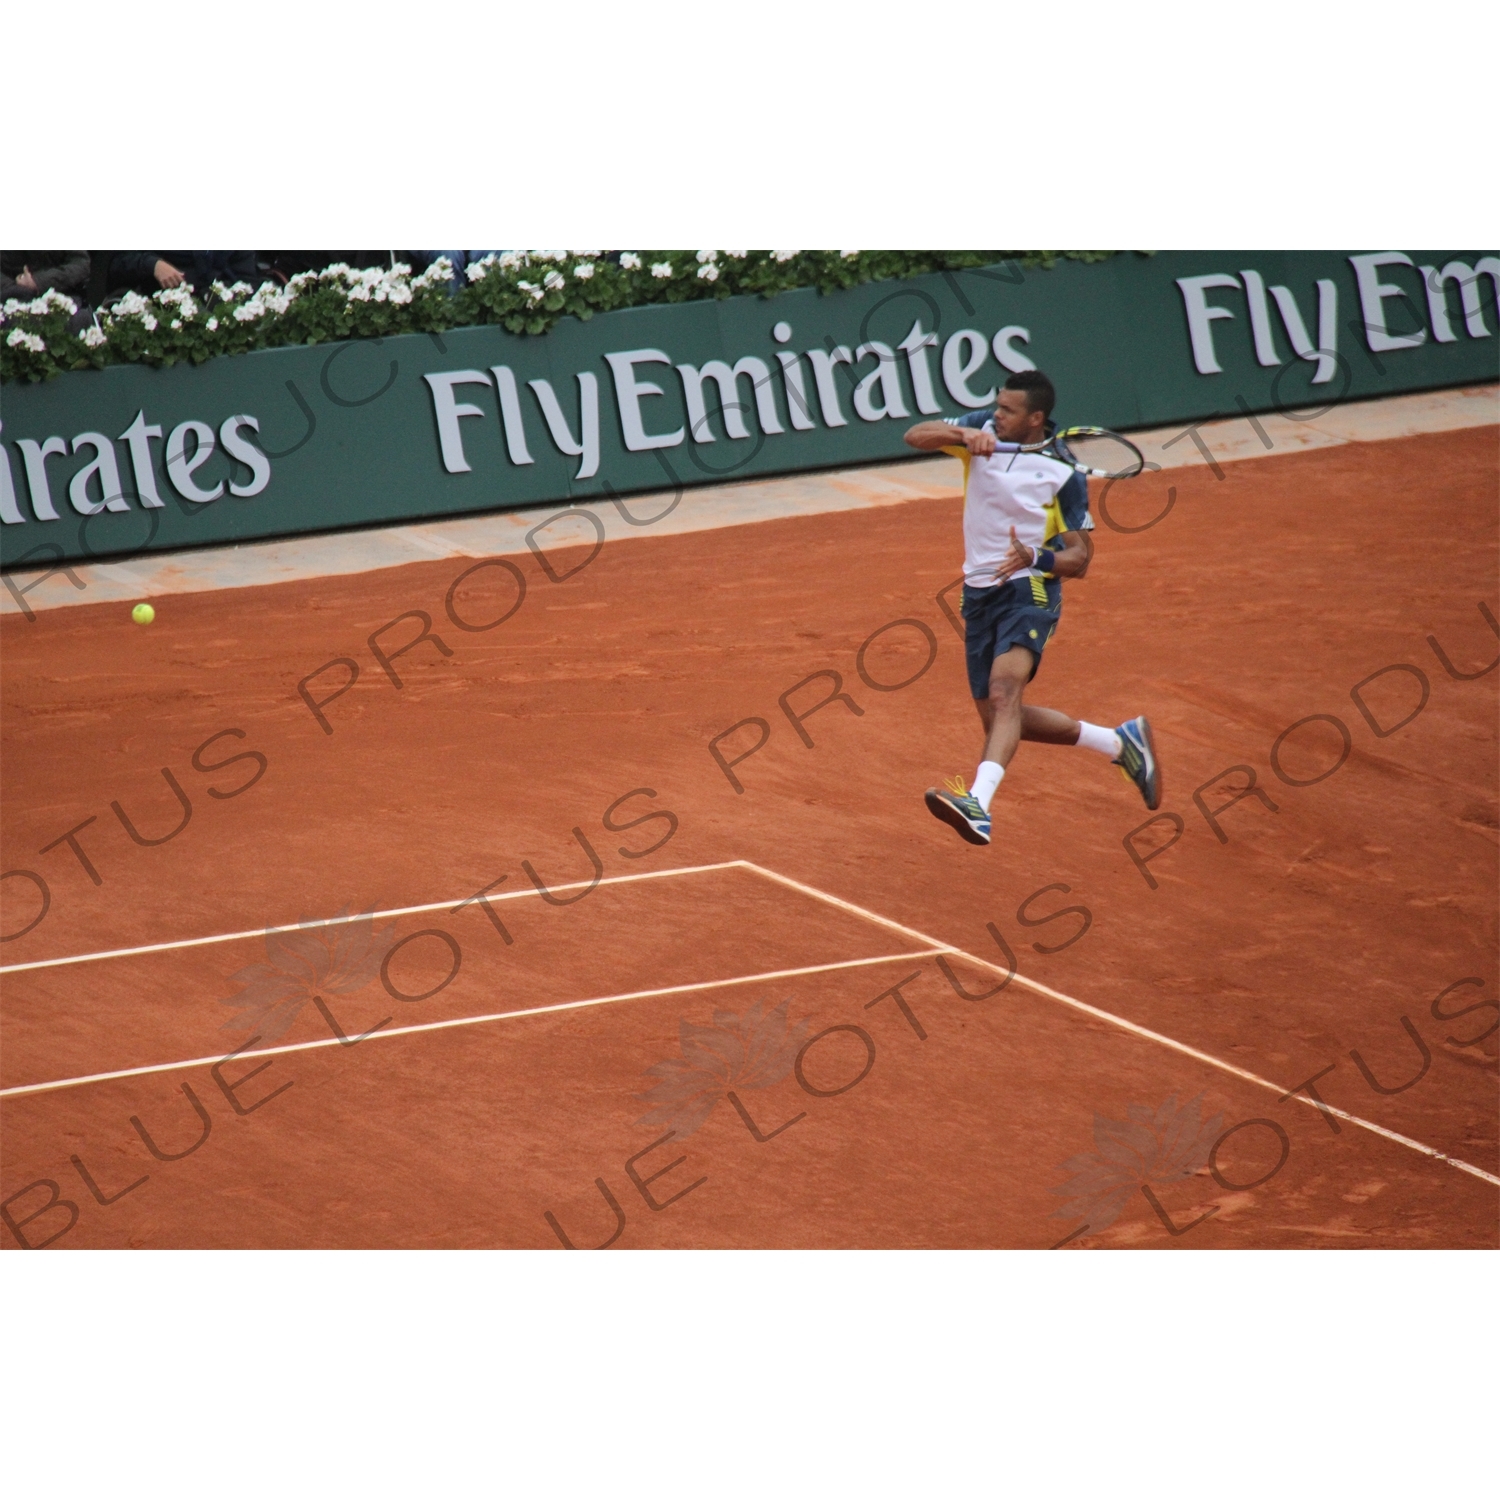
(143, 614)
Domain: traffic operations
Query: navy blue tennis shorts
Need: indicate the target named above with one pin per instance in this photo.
(1023, 612)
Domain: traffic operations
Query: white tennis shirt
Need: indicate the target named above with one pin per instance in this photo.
(1009, 488)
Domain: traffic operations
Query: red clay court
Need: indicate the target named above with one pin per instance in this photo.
(796, 959)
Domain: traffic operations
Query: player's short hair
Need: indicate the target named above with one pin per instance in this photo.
(1040, 395)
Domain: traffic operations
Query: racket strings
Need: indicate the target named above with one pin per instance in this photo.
(1103, 452)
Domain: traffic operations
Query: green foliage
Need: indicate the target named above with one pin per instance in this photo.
(525, 292)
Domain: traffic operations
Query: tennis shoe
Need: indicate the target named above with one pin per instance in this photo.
(960, 812)
(1137, 759)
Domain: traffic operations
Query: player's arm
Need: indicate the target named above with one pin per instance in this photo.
(1071, 554)
(933, 437)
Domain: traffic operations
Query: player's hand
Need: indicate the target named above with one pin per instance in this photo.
(1017, 558)
(167, 275)
(978, 441)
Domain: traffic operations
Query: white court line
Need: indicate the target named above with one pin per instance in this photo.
(934, 946)
(1122, 1023)
(395, 911)
(506, 1015)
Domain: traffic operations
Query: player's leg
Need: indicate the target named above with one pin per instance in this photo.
(988, 619)
(1000, 713)
(1009, 674)
(1005, 632)
(1048, 726)
(1130, 746)
(1043, 726)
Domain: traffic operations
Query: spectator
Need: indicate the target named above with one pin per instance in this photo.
(284, 264)
(419, 260)
(26, 274)
(148, 271)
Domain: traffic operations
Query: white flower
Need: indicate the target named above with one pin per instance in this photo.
(379, 285)
(269, 298)
(148, 322)
(532, 290)
(630, 261)
(554, 281)
(176, 324)
(707, 257)
(513, 260)
(708, 273)
(50, 300)
(93, 336)
(588, 254)
(553, 255)
(437, 273)
(131, 305)
(213, 324)
(584, 270)
(481, 268)
(850, 254)
(736, 254)
(20, 339)
(661, 269)
(782, 256)
(362, 284)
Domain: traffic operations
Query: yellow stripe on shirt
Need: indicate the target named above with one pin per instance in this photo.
(1055, 523)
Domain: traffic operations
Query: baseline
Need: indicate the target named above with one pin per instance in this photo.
(934, 947)
(360, 916)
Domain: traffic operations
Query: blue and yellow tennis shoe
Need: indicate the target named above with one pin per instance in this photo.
(1137, 759)
(960, 811)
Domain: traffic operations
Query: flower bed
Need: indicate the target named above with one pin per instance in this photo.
(523, 291)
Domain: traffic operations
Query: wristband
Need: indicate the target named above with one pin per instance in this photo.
(1042, 559)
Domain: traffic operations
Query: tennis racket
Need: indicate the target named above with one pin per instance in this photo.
(1095, 451)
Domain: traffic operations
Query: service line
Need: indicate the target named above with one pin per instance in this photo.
(506, 1015)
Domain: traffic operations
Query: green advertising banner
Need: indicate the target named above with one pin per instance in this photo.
(128, 459)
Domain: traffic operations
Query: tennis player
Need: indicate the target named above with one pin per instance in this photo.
(1026, 528)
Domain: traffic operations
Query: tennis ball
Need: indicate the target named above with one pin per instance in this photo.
(143, 614)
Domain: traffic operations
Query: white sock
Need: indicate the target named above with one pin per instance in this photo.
(1105, 741)
(987, 781)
